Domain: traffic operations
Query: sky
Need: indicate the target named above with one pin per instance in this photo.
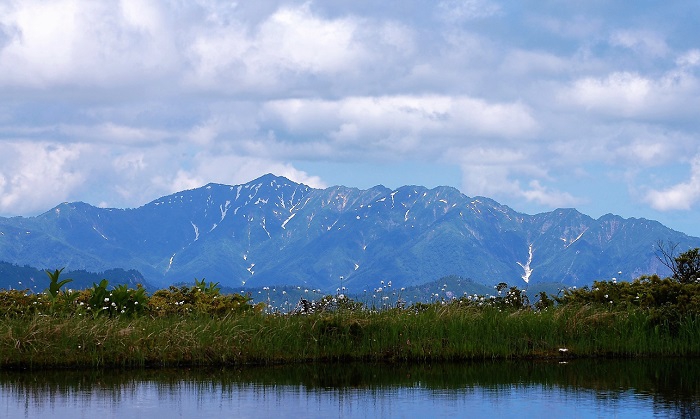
(538, 104)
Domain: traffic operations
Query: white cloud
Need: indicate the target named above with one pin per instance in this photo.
(621, 92)
(290, 46)
(642, 41)
(645, 152)
(629, 94)
(387, 121)
(109, 132)
(545, 196)
(496, 172)
(681, 196)
(37, 175)
(72, 42)
(689, 59)
(462, 10)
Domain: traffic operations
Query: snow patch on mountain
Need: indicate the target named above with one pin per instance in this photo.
(288, 219)
(224, 209)
(264, 227)
(196, 231)
(526, 267)
(98, 232)
(170, 262)
(574, 240)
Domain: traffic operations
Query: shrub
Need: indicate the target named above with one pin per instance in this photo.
(185, 300)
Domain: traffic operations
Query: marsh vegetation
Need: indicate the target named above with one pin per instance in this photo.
(119, 326)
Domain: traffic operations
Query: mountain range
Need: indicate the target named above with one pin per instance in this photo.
(272, 231)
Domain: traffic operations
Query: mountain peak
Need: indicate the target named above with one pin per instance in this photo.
(272, 180)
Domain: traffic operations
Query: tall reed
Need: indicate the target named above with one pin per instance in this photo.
(436, 334)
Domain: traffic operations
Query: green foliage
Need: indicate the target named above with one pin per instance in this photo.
(180, 325)
(123, 301)
(688, 267)
(211, 288)
(189, 301)
(331, 304)
(544, 302)
(507, 299)
(666, 302)
(186, 326)
(15, 303)
(685, 267)
(54, 284)
(98, 300)
(120, 301)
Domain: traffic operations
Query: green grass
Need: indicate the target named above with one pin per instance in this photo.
(435, 334)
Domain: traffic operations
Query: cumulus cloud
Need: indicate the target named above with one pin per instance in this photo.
(620, 92)
(33, 175)
(71, 42)
(292, 48)
(681, 196)
(633, 95)
(384, 121)
(497, 172)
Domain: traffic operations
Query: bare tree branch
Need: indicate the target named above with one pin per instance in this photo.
(666, 254)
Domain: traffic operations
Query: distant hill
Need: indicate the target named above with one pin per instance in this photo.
(26, 277)
(272, 231)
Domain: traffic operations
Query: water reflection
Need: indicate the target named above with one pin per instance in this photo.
(582, 388)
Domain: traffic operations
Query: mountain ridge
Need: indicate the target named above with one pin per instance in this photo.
(272, 231)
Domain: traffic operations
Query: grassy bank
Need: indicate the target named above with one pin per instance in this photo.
(441, 333)
(198, 326)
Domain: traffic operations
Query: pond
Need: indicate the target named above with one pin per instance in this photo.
(575, 389)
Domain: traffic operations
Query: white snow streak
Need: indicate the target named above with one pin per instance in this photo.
(576, 239)
(224, 210)
(171, 262)
(265, 228)
(98, 232)
(526, 267)
(196, 231)
(287, 220)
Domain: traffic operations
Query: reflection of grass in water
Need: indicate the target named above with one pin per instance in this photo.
(670, 381)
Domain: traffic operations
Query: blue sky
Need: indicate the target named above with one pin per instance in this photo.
(537, 104)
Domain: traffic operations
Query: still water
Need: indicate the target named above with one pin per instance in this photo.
(652, 388)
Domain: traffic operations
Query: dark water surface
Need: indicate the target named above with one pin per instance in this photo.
(649, 388)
